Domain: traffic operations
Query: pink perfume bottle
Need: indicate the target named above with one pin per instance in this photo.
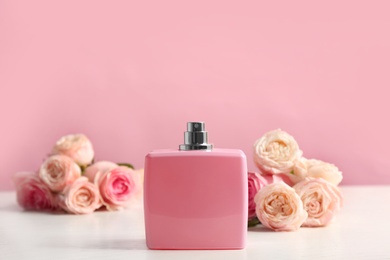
(196, 197)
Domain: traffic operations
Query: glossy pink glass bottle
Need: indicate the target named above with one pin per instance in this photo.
(196, 197)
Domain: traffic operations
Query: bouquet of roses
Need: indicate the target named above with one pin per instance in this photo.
(291, 191)
(69, 180)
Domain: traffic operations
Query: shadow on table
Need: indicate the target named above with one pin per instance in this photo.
(10, 207)
(123, 244)
(119, 244)
(259, 228)
(16, 208)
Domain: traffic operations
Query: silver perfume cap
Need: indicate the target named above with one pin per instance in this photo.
(195, 138)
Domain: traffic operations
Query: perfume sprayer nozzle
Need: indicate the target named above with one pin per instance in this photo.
(195, 138)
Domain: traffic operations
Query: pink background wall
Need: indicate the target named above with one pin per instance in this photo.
(130, 74)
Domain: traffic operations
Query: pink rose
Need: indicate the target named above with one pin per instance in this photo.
(32, 193)
(81, 197)
(255, 183)
(274, 178)
(279, 207)
(118, 187)
(117, 184)
(275, 152)
(321, 199)
(78, 147)
(58, 171)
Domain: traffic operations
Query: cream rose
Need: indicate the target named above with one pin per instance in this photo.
(58, 171)
(275, 152)
(321, 200)
(101, 166)
(298, 172)
(141, 174)
(77, 146)
(279, 207)
(326, 171)
(257, 181)
(304, 168)
(81, 197)
(32, 193)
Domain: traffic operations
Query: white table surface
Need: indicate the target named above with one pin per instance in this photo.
(361, 231)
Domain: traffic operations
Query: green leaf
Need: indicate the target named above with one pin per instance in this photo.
(126, 165)
(253, 222)
(292, 172)
(83, 167)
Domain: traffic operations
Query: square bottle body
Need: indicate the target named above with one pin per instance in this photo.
(196, 199)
